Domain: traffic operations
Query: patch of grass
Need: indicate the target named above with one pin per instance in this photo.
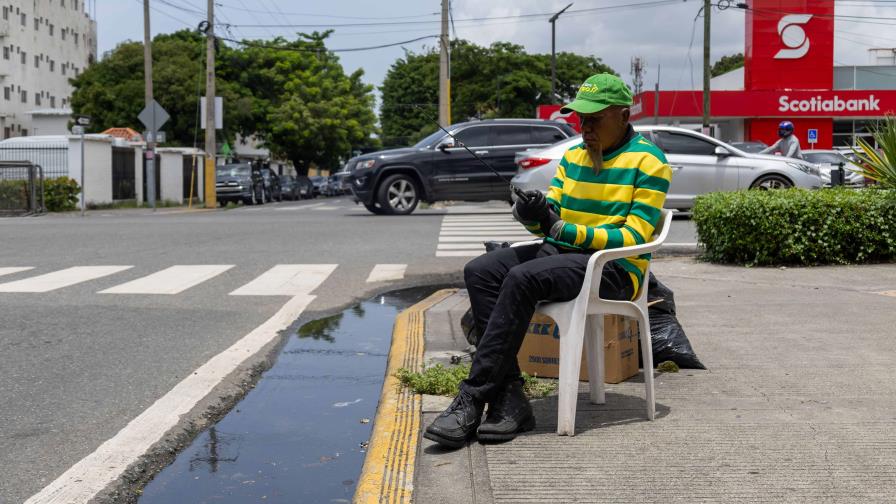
(667, 367)
(445, 380)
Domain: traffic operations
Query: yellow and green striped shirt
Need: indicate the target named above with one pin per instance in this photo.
(616, 207)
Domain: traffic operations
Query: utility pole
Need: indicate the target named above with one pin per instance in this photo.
(210, 150)
(444, 71)
(553, 21)
(150, 153)
(707, 9)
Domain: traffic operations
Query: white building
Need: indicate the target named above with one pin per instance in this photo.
(44, 43)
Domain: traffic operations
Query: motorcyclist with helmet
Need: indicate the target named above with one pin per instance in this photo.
(788, 145)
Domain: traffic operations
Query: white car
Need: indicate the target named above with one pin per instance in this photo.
(700, 164)
(830, 159)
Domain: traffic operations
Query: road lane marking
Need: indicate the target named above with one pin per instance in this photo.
(385, 272)
(287, 280)
(62, 278)
(81, 482)
(486, 232)
(299, 207)
(9, 270)
(173, 280)
(479, 239)
(462, 246)
(459, 253)
(327, 208)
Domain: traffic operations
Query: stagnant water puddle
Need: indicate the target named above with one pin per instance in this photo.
(301, 434)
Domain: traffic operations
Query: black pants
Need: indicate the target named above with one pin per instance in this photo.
(504, 286)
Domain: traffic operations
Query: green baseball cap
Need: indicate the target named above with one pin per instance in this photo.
(599, 92)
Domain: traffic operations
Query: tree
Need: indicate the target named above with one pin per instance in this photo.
(299, 102)
(501, 80)
(727, 64)
(111, 91)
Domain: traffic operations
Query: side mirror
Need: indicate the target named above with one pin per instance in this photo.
(721, 151)
(447, 144)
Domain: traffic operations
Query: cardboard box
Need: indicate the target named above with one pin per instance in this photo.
(539, 354)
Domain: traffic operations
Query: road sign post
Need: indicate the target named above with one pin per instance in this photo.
(81, 123)
(812, 136)
(153, 116)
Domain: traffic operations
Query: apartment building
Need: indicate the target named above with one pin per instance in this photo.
(44, 43)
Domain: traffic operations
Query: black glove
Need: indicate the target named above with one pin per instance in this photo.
(534, 208)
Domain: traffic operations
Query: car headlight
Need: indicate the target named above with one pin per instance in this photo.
(360, 181)
(367, 163)
(811, 169)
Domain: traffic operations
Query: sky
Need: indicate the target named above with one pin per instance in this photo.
(665, 36)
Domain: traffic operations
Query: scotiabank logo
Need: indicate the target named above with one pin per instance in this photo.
(834, 104)
(793, 36)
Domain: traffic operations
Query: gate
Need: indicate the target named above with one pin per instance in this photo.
(21, 188)
(123, 176)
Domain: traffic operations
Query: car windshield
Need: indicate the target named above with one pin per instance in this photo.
(825, 157)
(428, 141)
(233, 171)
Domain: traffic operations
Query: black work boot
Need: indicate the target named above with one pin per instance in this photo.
(457, 423)
(510, 414)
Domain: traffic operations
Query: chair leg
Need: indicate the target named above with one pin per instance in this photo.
(594, 348)
(647, 360)
(571, 337)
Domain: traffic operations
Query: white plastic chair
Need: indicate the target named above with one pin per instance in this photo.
(584, 315)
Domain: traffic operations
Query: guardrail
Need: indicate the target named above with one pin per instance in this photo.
(21, 188)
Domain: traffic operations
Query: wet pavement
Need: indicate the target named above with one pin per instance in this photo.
(301, 434)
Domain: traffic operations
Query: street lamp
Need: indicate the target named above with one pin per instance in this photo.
(553, 54)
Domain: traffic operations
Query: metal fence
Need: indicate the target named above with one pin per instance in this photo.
(123, 176)
(51, 156)
(21, 188)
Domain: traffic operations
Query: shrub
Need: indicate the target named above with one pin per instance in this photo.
(797, 226)
(441, 380)
(880, 164)
(61, 194)
(13, 194)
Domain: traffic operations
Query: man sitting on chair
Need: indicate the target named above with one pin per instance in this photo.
(607, 193)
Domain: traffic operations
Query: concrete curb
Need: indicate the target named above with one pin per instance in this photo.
(388, 471)
(678, 250)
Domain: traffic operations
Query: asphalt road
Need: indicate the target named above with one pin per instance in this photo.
(78, 365)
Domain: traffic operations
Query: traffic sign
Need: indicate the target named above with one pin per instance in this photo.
(813, 136)
(153, 116)
(82, 120)
(77, 130)
(157, 137)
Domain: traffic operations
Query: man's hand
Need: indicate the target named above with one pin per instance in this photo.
(532, 209)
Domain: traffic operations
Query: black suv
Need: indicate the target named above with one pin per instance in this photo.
(239, 182)
(437, 169)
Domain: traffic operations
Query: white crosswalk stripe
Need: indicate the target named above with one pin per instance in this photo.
(59, 279)
(462, 235)
(173, 280)
(287, 280)
(385, 272)
(9, 270)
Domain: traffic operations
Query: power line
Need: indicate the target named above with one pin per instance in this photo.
(334, 16)
(323, 49)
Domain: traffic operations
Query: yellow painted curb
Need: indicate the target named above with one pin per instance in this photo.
(388, 472)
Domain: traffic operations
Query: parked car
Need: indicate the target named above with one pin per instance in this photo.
(341, 182)
(828, 160)
(750, 147)
(289, 187)
(318, 184)
(437, 168)
(238, 182)
(271, 185)
(306, 187)
(700, 164)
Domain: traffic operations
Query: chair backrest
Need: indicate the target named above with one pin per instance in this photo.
(662, 228)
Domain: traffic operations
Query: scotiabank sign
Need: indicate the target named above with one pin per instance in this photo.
(783, 104)
(789, 45)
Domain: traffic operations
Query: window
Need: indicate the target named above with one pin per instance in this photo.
(36, 61)
(511, 135)
(6, 92)
(6, 132)
(476, 136)
(24, 132)
(24, 57)
(546, 135)
(63, 33)
(76, 4)
(24, 20)
(76, 40)
(63, 68)
(52, 66)
(680, 143)
(52, 26)
(36, 24)
(6, 13)
(37, 99)
(5, 53)
(52, 102)
(24, 96)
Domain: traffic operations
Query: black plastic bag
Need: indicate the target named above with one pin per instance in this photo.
(668, 339)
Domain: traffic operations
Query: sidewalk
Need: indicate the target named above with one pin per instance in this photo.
(798, 403)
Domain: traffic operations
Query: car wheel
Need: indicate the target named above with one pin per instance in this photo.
(398, 195)
(374, 209)
(769, 182)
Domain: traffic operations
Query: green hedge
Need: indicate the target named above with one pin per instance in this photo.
(797, 226)
(13, 194)
(61, 194)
